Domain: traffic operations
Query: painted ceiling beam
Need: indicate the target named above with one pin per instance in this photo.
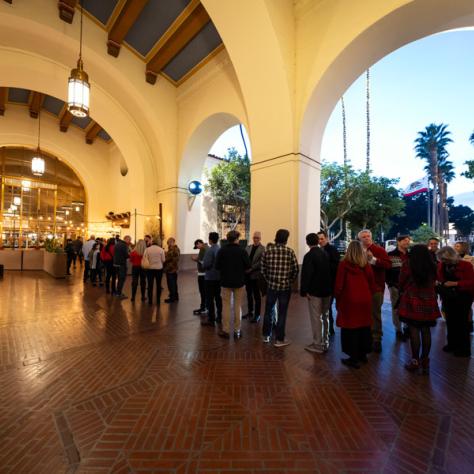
(65, 118)
(126, 18)
(92, 132)
(184, 29)
(66, 10)
(35, 103)
(3, 99)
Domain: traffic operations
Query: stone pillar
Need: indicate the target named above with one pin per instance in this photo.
(285, 194)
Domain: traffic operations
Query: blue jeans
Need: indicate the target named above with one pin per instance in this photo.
(282, 297)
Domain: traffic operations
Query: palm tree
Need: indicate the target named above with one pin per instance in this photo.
(430, 145)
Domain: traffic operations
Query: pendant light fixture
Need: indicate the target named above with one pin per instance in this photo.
(37, 162)
(78, 86)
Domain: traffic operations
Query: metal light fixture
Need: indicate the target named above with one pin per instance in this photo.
(78, 85)
(37, 163)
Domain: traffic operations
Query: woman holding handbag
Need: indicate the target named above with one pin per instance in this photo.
(138, 272)
(152, 261)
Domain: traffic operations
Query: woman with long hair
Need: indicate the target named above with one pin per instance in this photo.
(418, 306)
(353, 290)
(456, 286)
(138, 273)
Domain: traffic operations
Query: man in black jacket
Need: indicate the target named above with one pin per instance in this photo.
(233, 263)
(316, 286)
(334, 259)
(121, 254)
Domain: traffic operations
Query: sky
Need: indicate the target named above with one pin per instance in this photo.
(427, 81)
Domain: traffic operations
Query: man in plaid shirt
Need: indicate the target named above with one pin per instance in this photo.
(280, 269)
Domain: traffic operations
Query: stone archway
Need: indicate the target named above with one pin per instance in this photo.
(191, 167)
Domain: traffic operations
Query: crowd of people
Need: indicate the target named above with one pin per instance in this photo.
(424, 282)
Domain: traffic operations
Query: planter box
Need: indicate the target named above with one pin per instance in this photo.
(33, 259)
(55, 264)
(10, 259)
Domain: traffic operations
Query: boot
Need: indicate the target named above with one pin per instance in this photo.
(425, 365)
(413, 365)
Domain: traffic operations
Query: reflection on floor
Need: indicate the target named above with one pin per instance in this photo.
(91, 384)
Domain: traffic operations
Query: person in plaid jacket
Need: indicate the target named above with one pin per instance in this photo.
(280, 269)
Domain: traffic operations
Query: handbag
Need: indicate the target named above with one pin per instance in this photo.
(145, 261)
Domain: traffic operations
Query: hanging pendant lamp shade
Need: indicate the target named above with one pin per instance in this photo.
(37, 166)
(78, 91)
(78, 85)
(37, 162)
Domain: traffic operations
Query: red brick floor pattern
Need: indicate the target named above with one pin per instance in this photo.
(91, 384)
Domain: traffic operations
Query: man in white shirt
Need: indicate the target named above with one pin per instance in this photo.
(86, 248)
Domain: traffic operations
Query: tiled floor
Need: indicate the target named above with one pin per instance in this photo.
(90, 384)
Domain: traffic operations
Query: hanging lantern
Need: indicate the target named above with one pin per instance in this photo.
(37, 163)
(78, 92)
(37, 166)
(78, 85)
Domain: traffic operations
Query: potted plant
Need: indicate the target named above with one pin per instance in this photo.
(55, 260)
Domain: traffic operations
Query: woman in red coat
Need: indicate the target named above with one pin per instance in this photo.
(353, 290)
(418, 304)
(456, 286)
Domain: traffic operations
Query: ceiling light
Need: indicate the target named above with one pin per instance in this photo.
(78, 85)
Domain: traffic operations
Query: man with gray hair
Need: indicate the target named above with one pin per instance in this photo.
(380, 261)
(252, 279)
(86, 248)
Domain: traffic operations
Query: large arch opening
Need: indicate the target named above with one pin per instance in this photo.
(35, 208)
(199, 157)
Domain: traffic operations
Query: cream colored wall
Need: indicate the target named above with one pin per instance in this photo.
(286, 64)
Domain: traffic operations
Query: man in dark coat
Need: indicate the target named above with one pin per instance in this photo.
(233, 263)
(334, 259)
(317, 287)
(121, 254)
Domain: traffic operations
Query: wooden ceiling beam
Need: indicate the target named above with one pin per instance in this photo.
(66, 10)
(92, 132)
(9, 1)
(122, 24)
(65, 118)
(35, 103)
(3, 99)
(187, 26)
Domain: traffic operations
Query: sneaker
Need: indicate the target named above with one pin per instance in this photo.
(413, 365)
(208, 323)
(284, 343)
(313, 348)
(237, 334)
(266, 339)
(350, 362)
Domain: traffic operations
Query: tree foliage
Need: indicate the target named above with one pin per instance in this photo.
(463, 219)
(414, 215)
(229, 183)
(358, 197)
(470, 169)
(423, 234)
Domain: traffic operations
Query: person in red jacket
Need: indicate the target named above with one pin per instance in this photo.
(418, 304)
(107, 257)
(138, 273)
(379, 262)
(353, 291)
(456, 286)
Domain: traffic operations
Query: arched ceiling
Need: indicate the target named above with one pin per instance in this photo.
(36, 101)
(174, 38)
